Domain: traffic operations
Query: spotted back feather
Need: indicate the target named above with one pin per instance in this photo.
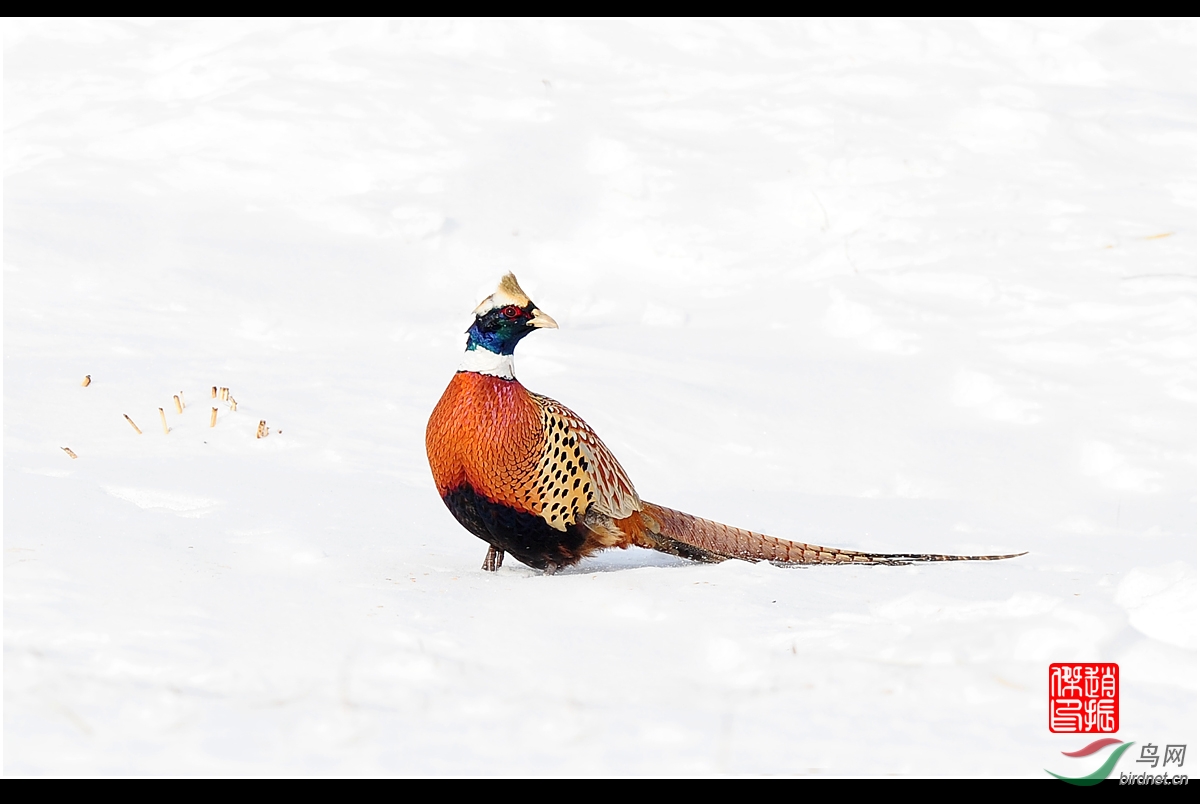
(570, 437)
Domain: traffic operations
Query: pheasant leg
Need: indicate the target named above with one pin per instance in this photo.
(493, 559)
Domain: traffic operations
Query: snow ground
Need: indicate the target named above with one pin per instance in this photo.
(889, 286)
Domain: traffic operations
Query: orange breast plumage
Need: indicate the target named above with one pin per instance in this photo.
(486, 433)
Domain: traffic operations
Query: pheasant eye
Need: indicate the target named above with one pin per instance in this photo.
(511, 312)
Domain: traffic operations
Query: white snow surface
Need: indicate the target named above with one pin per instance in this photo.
(890, 286)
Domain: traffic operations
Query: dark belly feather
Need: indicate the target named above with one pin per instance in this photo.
(526, 537)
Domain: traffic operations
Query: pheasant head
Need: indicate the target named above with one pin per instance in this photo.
(504, 318)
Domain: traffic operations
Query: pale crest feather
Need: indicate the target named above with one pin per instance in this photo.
(509, 292)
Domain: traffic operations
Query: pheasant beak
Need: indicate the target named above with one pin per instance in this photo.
(540, 319)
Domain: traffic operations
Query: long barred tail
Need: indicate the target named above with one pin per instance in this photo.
(699, 539)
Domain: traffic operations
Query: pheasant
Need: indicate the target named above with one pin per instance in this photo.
(531, 478)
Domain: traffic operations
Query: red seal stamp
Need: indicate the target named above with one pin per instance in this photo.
(1085, 697)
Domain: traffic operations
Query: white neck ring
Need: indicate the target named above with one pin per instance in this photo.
(483, 361)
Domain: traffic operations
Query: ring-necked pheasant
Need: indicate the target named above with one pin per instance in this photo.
(530, 478)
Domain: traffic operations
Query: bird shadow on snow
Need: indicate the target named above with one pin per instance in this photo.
(623, 560)
(632, 559)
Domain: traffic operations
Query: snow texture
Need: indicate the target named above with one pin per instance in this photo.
(890, 286)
